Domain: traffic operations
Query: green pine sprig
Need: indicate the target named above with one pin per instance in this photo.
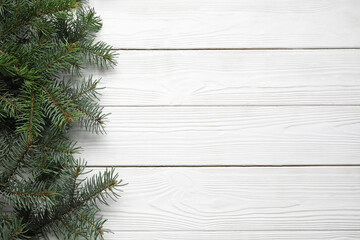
(44, 47)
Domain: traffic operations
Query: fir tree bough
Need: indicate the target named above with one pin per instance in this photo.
(44, 45)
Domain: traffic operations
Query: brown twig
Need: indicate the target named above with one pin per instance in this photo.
(7, 101)
(100, 190)
(95, 53)
(82, 93)
(67, 115)
(6, 219)
(36, 16)
(20, 160)
(90, 222)
(45, 194)
(89, 115)
(58, 59)
(57, 150)
(16, 233)
(68, 226)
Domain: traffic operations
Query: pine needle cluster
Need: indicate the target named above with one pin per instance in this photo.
(44, 46)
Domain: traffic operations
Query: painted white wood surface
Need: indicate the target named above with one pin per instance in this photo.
(237, 199)
(233, 107)
(233, 78)
(235, 235)
(229, 23)
(226, 136)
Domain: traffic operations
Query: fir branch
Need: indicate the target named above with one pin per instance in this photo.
(44, 148)
(78, 204)
(37, 15)
(83, 29)
(66, 114)
(7, 101)
(97, 119)
(90, 222)
(50, 140)
(77, 173)
(30, 117)
(20, 160)
(37, 26)
(69, 227)
(96, 53)
(38, 46)
(77, 66)
(43, 195)
(68, 49)
(93, 87)
(58, 150)
(57, 10)
(14, 229)
(87, 90)
(109, 186)
(8, 144)
(6, 219)
(17, 232)
(40, 41)
(16, 71)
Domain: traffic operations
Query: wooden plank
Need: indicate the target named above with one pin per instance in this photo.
(229, 23)
(237, 199)
(226, 136)
(233, 78)
(236, 235)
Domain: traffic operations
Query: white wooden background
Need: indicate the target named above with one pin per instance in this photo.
(232, 119)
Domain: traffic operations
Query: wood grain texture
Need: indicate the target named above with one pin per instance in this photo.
(240, 108)
(229, 23)
(237, 199)
(236, 235)
(233, 78)
(226, 136)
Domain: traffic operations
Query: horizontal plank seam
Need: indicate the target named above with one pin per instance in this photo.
(264, 230)
(238, 105)
(234, 49)
(227, 166)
